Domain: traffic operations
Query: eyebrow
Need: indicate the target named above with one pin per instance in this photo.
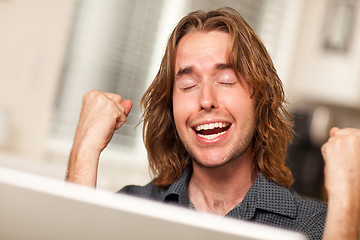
(184, 71)
(222, 66)
(190, 69)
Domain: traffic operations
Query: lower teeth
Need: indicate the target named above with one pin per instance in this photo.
(212, 136)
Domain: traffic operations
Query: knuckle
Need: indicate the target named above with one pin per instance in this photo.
(99, 98)
(115, 97)
(354, 140)
(90, 95)
(111, 108)
(118, 97)
(324, 148)
(106, 104)
(93, 93)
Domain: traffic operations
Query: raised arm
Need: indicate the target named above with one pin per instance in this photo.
(342, 182)
(101, 114)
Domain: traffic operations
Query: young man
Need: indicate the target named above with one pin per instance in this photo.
(216, 132)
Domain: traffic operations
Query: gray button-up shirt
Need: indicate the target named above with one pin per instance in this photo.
(266, 202)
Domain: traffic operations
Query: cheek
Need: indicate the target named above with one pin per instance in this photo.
(240, 106)
(251, 112)
(179, 111)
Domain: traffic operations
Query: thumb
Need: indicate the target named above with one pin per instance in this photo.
(127, 104)
(333, 131)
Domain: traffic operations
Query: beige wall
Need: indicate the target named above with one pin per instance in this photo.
(33, 38)
(321, 76)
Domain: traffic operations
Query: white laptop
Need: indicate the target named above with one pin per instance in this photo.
(34, 207)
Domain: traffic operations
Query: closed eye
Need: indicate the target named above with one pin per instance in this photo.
(228, 83)
(226, 77)
(187, 88)
(186, 82)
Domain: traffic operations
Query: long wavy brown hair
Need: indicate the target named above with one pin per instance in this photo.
(249, 58)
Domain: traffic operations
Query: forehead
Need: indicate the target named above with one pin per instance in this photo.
(204, 37)
(202, 46)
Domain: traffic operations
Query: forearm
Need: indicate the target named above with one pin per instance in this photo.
(343, 219)
(83, 166)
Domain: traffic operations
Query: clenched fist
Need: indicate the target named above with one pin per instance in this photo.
(342, 162)
(101, 114)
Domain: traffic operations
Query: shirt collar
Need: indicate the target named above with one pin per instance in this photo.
(178, 191)
(264, 194)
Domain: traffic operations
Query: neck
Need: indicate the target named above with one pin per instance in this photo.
(218, 190)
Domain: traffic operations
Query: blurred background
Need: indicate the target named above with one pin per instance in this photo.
(54, 51)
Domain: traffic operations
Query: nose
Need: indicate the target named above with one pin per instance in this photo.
(208, 97)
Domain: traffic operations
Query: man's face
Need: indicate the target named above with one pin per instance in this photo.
(213, 111)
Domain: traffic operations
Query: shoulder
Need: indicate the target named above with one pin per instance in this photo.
(270, 196)
(311, 213)
(149, 191)
(175, 193)
(309, 217)
(284, 208)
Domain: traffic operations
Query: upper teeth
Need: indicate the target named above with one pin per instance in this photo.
(208, 126)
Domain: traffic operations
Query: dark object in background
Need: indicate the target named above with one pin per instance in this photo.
(305, 159)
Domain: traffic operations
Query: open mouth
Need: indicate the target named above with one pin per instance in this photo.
(211, 130)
